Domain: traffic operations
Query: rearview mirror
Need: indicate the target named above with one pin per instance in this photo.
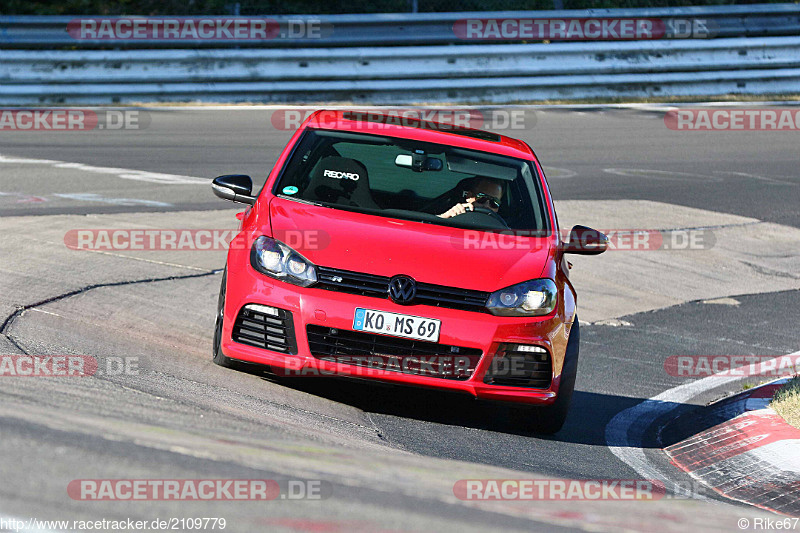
(234, 187)
(585, 241)
(418, 162)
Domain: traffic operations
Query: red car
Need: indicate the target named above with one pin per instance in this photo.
(414, 253)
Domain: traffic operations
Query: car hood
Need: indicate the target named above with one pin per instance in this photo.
(429, 253)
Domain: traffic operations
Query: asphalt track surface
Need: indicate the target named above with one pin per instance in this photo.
(740, 172)
(387, 456)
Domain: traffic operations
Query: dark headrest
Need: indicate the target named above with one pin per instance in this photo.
(341, 180)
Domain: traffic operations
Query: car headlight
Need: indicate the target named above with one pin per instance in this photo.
(278, 261)
(536, 297)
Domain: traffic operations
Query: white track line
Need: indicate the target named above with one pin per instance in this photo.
(124, 173)
(625, 432)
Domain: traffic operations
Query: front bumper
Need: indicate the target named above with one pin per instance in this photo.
(313, 306)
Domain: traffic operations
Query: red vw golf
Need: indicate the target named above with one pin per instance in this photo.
(408, 252)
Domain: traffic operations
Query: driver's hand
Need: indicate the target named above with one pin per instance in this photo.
(459, 209)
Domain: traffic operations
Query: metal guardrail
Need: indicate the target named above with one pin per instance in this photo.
(401, 75)
(94, 67)
(25, 32)
(480, 91)
(41, 64)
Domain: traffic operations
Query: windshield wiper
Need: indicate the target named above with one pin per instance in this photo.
(301, 200)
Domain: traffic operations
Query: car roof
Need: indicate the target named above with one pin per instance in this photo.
(410, 126)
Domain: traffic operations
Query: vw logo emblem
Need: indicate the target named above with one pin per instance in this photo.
(402, 289)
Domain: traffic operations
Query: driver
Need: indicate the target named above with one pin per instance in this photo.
(484, 192)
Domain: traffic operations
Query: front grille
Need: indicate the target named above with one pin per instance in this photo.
(514, 368)
(265, 327)
(334, 279)
(394, 354)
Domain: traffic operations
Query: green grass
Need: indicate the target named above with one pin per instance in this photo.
(786, 402)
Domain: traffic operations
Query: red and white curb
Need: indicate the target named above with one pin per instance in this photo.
(754, 457)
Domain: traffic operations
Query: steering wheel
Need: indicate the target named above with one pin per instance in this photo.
(481, 215)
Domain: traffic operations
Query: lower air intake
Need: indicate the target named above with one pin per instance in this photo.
(519, 365)
(265, 327)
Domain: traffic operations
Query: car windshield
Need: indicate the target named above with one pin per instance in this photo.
(414, 180)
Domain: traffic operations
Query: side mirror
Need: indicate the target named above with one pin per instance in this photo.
(585, 241)
(234, 187)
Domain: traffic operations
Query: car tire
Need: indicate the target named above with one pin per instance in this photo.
(218, 357)
(550, 419)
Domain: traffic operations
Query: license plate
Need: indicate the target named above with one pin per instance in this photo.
(397, 325)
